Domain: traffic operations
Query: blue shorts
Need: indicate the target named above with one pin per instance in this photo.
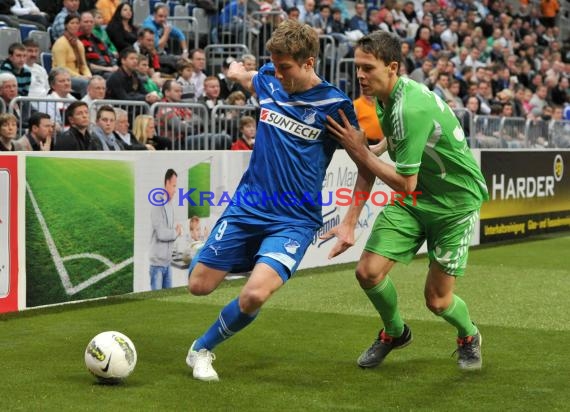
(239, 241)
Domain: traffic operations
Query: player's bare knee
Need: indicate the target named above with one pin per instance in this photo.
(368, 278)
(435, 304)
(199, 288)
(252, 300)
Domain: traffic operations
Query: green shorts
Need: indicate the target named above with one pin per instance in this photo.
(398, 233)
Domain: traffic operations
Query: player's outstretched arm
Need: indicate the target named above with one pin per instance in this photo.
(238, 73)
(345, 231)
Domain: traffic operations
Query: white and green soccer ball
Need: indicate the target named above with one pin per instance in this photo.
(111, 357)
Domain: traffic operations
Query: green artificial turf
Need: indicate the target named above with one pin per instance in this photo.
(88, 208)
(299, 355)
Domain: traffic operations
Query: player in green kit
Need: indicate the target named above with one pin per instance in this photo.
(431, 156)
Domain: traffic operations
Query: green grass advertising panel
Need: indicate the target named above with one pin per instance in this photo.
(79, 229)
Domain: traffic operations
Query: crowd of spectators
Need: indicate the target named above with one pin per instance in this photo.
(487, 57)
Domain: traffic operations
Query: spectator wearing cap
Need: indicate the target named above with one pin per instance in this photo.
(435, 52)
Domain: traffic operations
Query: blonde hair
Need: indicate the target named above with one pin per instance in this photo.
(139, 128)
(246, 120)
(237, 95)
(7, 118)
(295, 39)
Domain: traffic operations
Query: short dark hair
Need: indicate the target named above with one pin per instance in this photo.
(70, 17)
(105, 108)
(144, 31)
(70, 111)
(126, 51)
(168, 175)
(167, 85)
(382, 45)
(159, 6)
(16, 46)
(194, 51)
(183, 64)
(36, 119)
(29, 42)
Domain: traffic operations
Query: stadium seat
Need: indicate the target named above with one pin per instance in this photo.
(45, 58)
(42, 38)
(141, 9)
(25, 30)
(172, 7)
(203, 21)
(8, 36)
(181, 11)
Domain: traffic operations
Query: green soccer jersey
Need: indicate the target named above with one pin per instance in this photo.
(425, 138)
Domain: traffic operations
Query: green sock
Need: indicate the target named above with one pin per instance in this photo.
(385, 299)
(458, 315)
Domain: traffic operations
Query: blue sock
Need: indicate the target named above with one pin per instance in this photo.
(230, 321)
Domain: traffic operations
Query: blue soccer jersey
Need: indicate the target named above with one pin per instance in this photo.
(292, 150)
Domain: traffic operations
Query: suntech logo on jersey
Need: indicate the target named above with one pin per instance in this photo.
(289, 125)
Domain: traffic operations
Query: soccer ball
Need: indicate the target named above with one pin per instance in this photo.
(111, 357)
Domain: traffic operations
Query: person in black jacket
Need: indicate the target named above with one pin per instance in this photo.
(121, 30)
(128, 140)
(124, 83)
(77, 137)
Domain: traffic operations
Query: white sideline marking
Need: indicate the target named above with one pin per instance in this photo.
(71, 289)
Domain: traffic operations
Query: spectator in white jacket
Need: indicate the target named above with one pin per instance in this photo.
(39, 85)
(28, 12)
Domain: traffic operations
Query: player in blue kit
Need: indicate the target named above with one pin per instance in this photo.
(276, 208)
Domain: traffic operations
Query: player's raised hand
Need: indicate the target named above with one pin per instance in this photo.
(235, 70)
(345, 239)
